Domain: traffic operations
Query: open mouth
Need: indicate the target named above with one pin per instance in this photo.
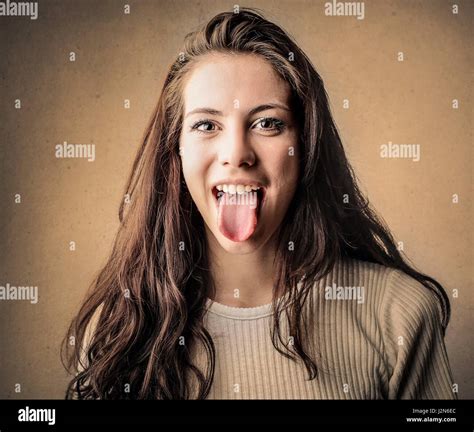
(238, 210)
(260, 196)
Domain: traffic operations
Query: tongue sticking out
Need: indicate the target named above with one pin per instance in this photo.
(237, 217)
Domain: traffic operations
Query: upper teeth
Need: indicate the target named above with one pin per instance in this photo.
(240, 188)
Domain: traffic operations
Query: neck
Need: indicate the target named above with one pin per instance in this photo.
(242, 280)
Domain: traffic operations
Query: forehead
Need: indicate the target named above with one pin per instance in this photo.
(217, 80)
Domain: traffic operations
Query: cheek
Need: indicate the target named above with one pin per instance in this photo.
(189, 158)
(195, 162)
(191, 166)
(282, 165)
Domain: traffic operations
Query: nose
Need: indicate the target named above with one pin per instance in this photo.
(236, 150)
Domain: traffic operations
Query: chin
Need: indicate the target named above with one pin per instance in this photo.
(239, 248)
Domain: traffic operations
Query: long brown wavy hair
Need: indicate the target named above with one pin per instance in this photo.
(152, 292)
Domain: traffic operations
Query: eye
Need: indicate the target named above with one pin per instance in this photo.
(269, 124)
(204, 126)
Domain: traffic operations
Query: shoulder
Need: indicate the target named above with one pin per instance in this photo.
(356, 272)
(386, 288)
(352, 279)
(378, 293)
(406, 314)
(408, 306)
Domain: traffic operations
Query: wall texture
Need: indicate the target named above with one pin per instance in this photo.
(122, 57)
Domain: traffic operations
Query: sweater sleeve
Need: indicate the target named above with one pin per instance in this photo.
(417, 360)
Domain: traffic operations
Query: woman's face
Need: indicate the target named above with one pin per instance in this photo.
(238, 134)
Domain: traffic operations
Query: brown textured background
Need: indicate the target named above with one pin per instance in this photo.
(125, 57)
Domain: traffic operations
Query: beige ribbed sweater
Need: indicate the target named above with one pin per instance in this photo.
(387, 344)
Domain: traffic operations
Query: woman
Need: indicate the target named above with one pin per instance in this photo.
(248, 264)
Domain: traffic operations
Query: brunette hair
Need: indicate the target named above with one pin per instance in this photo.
(151, 292)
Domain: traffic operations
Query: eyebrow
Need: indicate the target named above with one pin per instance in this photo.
(253, 111)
